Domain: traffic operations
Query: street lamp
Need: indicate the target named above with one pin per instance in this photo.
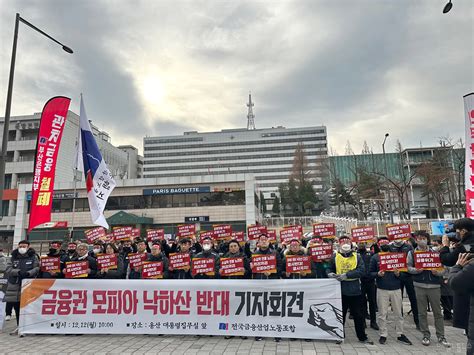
(386, 178)
(6, 124)
(447, 7)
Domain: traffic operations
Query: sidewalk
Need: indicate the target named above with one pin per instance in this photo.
(143, 344)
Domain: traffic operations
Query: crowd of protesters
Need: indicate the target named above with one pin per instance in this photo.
(367, 292)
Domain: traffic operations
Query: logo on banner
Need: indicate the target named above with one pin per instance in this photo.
(327, 318)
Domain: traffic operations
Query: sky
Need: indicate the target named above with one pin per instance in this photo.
(362, 68)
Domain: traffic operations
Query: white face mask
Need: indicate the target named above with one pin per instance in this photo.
(22, 250)
(206, 247)
(97, 251)
(345, 247)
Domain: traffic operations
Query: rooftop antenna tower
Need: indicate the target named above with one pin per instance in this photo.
(250, 115)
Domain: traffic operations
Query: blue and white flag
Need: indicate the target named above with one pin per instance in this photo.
(99, 180)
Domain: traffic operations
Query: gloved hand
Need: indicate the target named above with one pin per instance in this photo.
(332, 275)
(341, 277)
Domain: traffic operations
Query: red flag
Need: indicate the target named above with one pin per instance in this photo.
(53, 120)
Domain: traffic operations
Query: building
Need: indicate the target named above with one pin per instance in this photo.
(21, 147)
(149, 203)
(266, 153)
(135, 162)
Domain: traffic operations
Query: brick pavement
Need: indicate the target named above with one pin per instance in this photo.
(176, 345)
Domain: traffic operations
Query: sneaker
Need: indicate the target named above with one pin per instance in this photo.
(426, 341)
(308, 340)
(7, 318)
(244, 337)
(258, 338)
(382, 340)
(15, 332)
(277, 340)
(227, 337)
(404, 340)
(374, 325)
(366, 341)
(444, 342)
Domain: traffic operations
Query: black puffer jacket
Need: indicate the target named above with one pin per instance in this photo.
(461, 279)
(18, 265)
(163, 259)
(47, 275)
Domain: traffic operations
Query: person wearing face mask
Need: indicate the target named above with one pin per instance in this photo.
(347, 267)
(97, 248)
(157, 255)
(367, 282)
(449, 255)
(208, 252)
(70, 253)
(388, 293)
(135, 272)
(399, 246)
(427, 288)
(23, 264)
(54, 251)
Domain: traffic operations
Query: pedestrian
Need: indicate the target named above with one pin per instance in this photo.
(208, 252)
(427, 285)
(347, 267)
(157, 255)
(115, 273)
(388, 293)
(368, 287)
(23, 264)
(184, 246)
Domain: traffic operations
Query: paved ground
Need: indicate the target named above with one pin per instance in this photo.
(142, 344)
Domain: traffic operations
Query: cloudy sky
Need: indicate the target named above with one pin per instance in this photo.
(360, 67)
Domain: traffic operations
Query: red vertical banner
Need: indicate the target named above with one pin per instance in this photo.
(469, 162)
(53, 120)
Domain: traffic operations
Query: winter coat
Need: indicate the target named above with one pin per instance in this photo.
(261, 276)
(208, 254)
(283, 265)
(461, 298)
(164, 260)
(47, 275)
(248, 272)
(17, 264)
(349, 287)
(461, 280)
(389, 281)
(118, 273)
(92, 265)
(181, 274)
(366, 257)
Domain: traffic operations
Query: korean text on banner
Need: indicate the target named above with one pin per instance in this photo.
(253, 232)
(469, 164)
(363, 234)
(324, 230)
(305, 309)
(180, 261)
(427, 260)
(51, 264)
(300, 264)
(53, 120)
(321, 252)
(264, 263)
(232, 266)
(398, 231)
(107, 261)
(393, 261)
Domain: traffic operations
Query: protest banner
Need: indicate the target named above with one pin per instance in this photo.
(76, 269)
(207, 234)
(287, 235)
(51, 264)
(305, 309)
(107, 261)
(203, 266)
(232, 266)
(324, 230)
(122, 233)
(222, 231)
(298, 264)
(253, 232)
(152, 270)
(136, 259)
(94, 234)
(264, 263)
(321, 252)
(186, 230)
(393, 261)
(239, 237)
(363, 234)
(427, 260)
(155, 235)
(180, 261)
(272, 235)
(135, 233)
(398, 231)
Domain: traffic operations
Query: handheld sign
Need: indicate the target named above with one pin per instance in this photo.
(232, 267)
(95, 234)
(253, 232)
(152, 270)
(203, 266)
(298, 264)
(136, 259)
(321, 252)
(51, 264)
(180, 261)
(106, 261)
(76, 269)
(398, 231)
(324, 230)
(363, 234)
(393, 261)
(264, 263)
(427, 260)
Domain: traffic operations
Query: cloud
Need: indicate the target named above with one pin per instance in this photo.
(154, 68)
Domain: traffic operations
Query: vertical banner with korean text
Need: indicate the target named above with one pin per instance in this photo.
(53, 120)
(469, 169)
(308, 309)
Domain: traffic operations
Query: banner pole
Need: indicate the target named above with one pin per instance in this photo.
(75, 187)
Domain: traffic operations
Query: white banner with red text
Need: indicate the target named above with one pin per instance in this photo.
(309, 309)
